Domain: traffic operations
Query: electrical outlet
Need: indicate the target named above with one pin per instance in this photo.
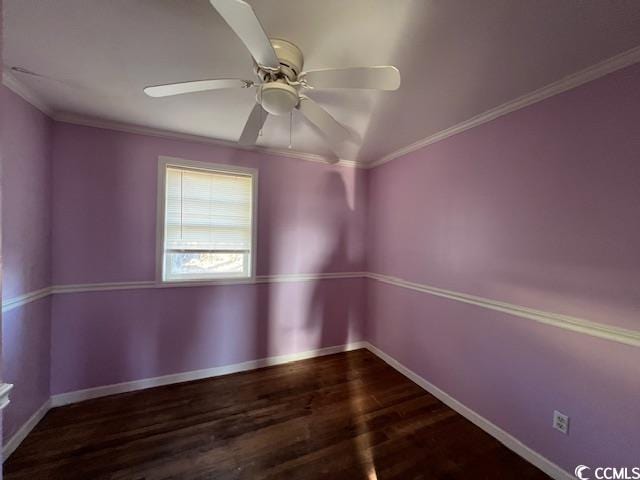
(560, 422)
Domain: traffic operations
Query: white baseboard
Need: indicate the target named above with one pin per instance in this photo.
(17, 438)
(511, 442)
(508, 440)
(80, 395)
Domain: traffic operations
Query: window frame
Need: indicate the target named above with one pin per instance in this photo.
(163, 163)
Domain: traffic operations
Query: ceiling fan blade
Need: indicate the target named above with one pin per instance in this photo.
(377, 78)
(253, 126)
(318, 116)
(243, 21)
(195, 86)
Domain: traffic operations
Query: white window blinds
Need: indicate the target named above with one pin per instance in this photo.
(208, 223)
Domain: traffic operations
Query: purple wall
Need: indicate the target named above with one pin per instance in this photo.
(27, 197)
(26, 247)
(310, 220)
(310, 215)
(102, 338)
(1, 259)
(537, 208)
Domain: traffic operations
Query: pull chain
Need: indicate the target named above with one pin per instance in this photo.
(290, 128)
(262, 119)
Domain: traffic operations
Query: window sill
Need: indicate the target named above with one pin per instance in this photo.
(206, 281)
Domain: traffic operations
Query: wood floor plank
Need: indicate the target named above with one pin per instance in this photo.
(348, 415)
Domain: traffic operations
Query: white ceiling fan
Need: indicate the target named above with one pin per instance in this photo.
(280, 78)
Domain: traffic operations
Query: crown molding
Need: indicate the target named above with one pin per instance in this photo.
(159, 133)
(569, 82)
(17, 87)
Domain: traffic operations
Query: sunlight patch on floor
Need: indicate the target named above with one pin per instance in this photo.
(372, 474)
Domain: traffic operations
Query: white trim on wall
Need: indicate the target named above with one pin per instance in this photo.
(5, 388)
(81, 395)
(101, 287)
(566, 322)
(24, 299)
(508, 440)
(505, 438)
(17, 438)
(569, 82)
(15, 302)
(259, 279)
(135, 385)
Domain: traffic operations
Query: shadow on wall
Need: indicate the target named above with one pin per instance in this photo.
(332, 307)
(305, 225)
(300, 316)
(310, 220)
(335, 316)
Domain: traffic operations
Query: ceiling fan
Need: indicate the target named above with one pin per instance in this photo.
(280, 78)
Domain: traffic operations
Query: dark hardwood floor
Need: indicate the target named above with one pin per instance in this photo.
(348, 416)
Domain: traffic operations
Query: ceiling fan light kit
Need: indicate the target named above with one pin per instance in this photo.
(279, 92)
(280, 78)
(278, 98)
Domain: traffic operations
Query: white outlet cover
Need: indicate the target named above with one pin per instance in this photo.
(561, 422)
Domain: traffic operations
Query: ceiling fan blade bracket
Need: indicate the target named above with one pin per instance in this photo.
(303, 83)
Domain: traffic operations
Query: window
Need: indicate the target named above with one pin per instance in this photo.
(208, 221)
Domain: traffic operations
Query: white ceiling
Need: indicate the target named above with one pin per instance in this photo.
(457, 59)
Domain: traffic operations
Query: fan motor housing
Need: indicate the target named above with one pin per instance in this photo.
(290, 57)
(278, 98)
